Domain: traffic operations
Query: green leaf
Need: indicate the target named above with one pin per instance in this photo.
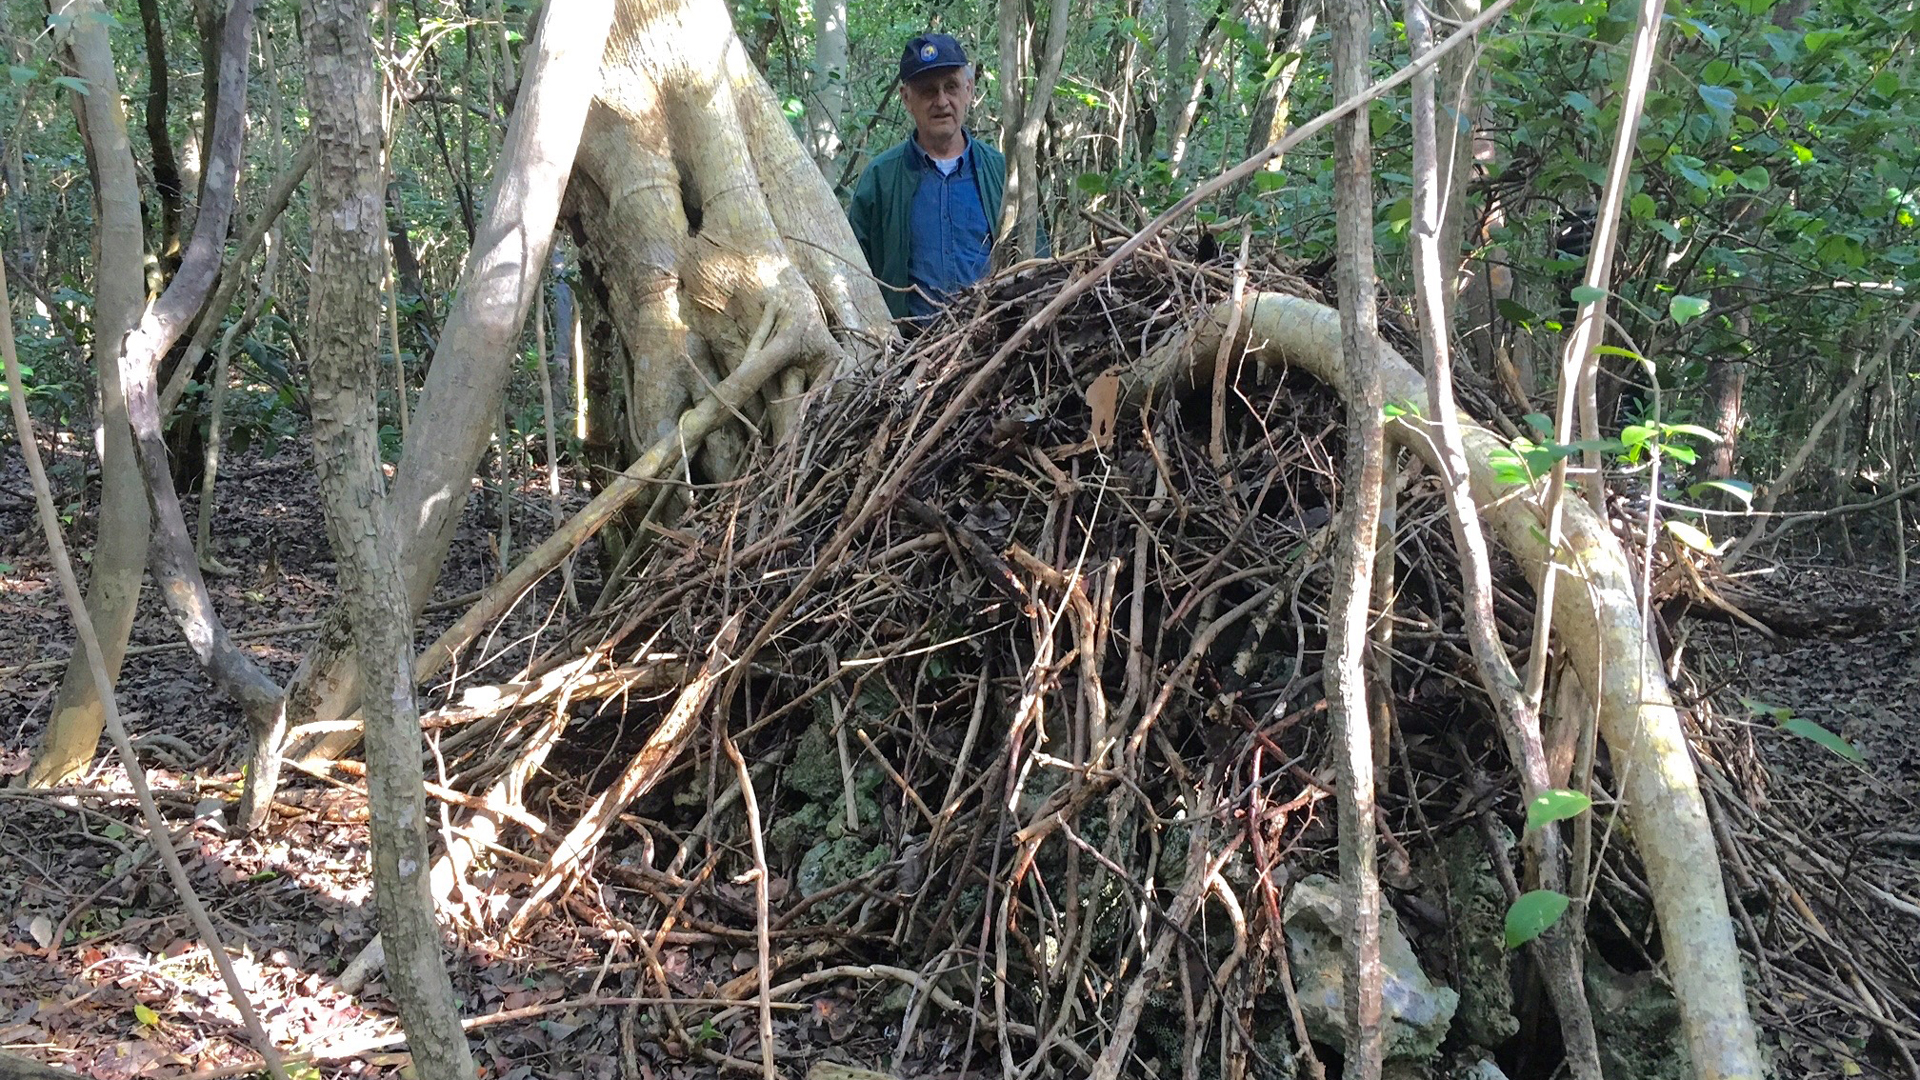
(1807, 729)
(1641, 207)
(1755, 178)
(1533, 914)
(1694, 430)
(1541, 423)
(1820, 39)
(78, 86)
(147, 1017)
(1686, 308)
(1739, 489)
(1556, 804)
(1092, 183)
(1514, 312)
(1692, 536)
(1587, 294)
(21, 74)
(1718, 98)
(1761, 708)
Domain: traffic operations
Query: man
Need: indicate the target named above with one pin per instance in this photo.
(925, 210)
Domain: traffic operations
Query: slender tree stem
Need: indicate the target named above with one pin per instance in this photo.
(1576, 376)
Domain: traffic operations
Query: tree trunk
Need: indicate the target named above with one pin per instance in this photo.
(697, 211)
(1179, 43)
(828, 83)
(1353, 560)
(697, 208)
(349, 262)
(1017, 231)
(1454, 130)
(455, 414)
(166, 171)
(122, 525)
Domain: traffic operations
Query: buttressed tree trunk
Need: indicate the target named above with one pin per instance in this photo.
(697, 210)
(120, 547)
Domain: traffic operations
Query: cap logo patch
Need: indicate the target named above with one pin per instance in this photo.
(929, 51)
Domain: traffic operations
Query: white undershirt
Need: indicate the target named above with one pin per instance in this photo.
(947, 165)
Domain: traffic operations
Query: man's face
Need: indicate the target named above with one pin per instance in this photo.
(938, 102)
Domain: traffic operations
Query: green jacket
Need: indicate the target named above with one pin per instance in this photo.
(882, 207)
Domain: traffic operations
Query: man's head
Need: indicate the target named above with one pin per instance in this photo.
(936, 85)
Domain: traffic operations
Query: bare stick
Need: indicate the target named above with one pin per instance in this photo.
(763, 966)
(1519, 720)
(1579, 357)
(103, 686)
(649, 763)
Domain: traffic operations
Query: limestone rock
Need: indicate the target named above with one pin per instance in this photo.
(1417, 1012)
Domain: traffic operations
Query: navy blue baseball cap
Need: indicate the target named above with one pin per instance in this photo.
(930, 52)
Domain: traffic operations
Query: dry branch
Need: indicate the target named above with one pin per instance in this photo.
(1602, 633)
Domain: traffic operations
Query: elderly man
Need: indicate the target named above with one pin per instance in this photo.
(925, 210)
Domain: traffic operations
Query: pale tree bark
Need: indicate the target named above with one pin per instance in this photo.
(122, 524)
(1598, 625)
(1455, 109)
(827, 83)
(697, 208)
(1023, 115)
(349, 261)
(1181, 128)
(176, 568)
(1343, 668)
(1559, 950)
(466, 384)
(698, 211)
(1578, 365)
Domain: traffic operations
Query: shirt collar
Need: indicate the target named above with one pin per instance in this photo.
(920, 159)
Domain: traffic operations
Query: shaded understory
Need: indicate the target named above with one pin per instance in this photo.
(1054, 715)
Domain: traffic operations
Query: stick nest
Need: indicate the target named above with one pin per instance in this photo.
(1036, 756)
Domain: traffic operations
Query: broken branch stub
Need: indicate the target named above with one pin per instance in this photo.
(1601, 630)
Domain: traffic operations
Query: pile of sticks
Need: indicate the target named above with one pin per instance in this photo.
(1039, 742)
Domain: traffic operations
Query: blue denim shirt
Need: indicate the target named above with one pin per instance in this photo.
(950, 230)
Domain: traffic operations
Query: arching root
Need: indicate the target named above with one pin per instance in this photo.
(1598, 621)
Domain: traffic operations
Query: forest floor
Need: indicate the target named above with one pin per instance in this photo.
(101, 973)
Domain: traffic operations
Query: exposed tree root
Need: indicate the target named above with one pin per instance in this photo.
(1598, 617)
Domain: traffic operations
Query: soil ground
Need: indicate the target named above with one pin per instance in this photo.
(101, 973)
